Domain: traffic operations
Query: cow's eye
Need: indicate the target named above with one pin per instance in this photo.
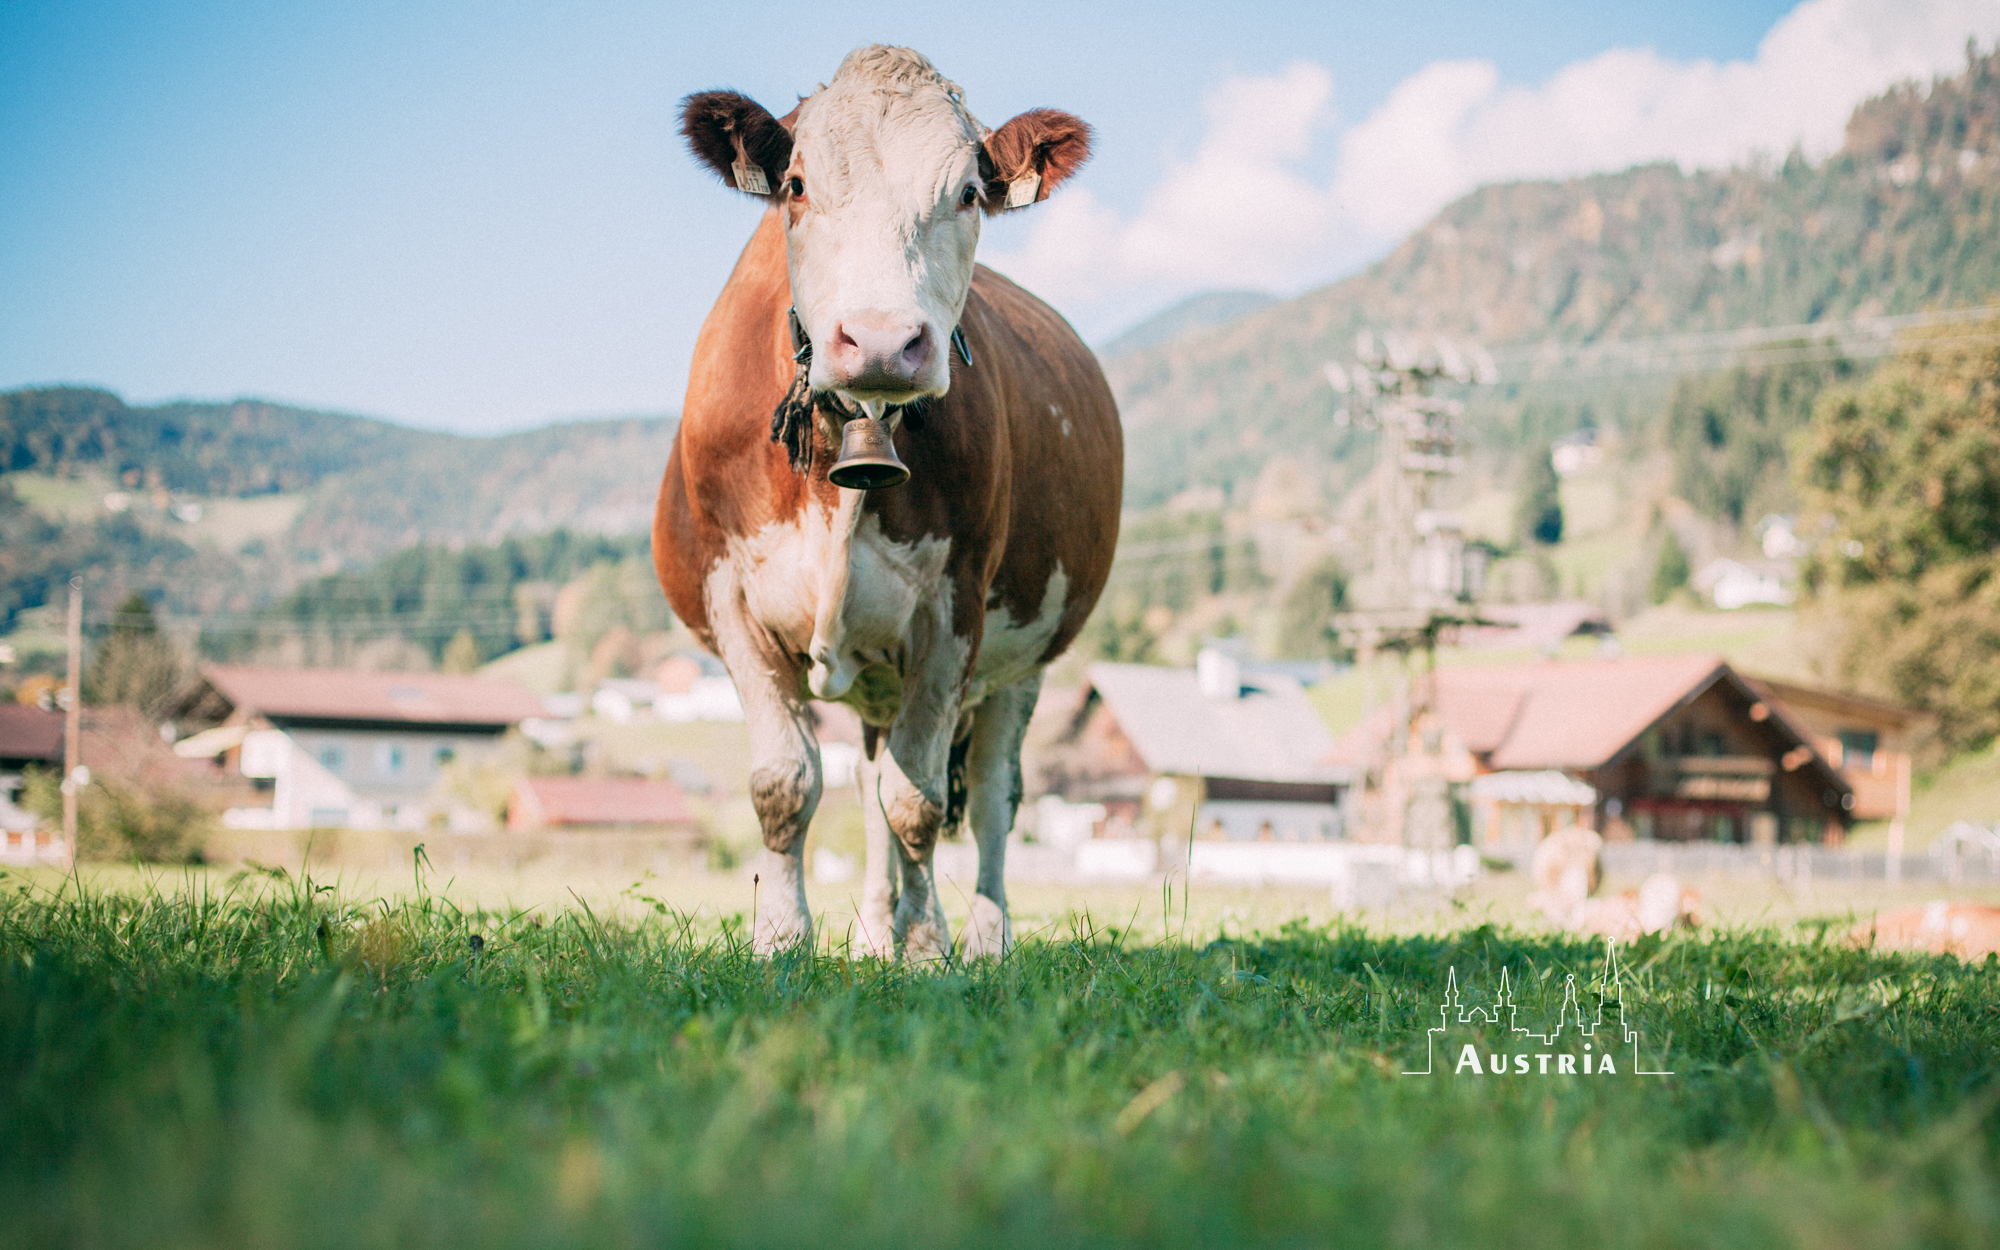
(797, 188)
(968, 197)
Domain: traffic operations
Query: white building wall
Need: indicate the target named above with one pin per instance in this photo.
(349, 778)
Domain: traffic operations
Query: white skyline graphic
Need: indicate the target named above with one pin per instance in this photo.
(1601, 1051)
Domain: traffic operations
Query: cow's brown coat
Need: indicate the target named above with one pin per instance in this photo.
(1019, 465)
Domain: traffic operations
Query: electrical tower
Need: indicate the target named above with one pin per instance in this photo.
(1424, 578)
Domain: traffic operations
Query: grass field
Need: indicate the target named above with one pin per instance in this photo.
(260, 1063)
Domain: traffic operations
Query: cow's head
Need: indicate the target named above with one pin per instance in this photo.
(880, 177)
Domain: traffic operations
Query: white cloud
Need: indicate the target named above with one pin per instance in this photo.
(1243, 211)
(1237, 211)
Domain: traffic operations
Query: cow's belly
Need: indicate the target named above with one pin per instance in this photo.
(1012, 650)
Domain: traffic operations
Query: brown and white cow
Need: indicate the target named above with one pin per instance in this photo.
(932, 607)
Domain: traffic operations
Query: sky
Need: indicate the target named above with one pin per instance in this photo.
(478, 217)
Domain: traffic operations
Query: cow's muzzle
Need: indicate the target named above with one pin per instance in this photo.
(878, 355)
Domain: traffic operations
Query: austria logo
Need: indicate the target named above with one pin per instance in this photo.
(1491, 1041)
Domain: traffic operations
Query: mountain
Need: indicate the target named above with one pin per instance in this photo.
(589, 477)
(256, 498)
(1905, 217)
(245, 447)
(1196, 312)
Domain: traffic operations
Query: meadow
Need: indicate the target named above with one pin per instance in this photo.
(259, 1061)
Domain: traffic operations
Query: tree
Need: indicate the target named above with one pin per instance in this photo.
(1727, 433)
(461, 654)
(1670, 571)
(1903, 476)
(136, 665)
(1539, 518)
(1305, 617)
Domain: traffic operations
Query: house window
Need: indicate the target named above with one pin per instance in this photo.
(443, 756)
(332, 758)
(1858, 747)
(327, 817)
(389, 758)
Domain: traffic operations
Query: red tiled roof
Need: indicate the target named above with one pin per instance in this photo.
(1579, 713)
(29, 733)
(596, 801)
(400, 698)
(1573, 714)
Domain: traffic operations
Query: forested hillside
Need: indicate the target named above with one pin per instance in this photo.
(223, 507)
(245, 447)
(1905, 217)
(486, 599)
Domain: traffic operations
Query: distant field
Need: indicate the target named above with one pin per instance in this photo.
(231, 524)
(72, 498)
(279, 1067)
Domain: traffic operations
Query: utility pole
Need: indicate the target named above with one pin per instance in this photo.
(1424, 578)
(73, 717)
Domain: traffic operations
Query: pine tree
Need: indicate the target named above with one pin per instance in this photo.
(1670, 571)
(1539, 518)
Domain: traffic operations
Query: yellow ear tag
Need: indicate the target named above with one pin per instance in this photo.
(750, 178)
(1022, 191)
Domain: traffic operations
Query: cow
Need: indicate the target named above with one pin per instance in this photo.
(1967, 930)
(932, 607)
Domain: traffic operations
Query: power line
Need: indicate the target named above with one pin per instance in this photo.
(1851, 338)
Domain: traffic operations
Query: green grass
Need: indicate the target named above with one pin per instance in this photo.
(274, 1067)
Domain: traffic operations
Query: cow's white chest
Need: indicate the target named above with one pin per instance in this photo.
(829, 585)
(861, 607)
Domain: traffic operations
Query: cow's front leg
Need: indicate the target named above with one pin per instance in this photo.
(994, 784)
(784, 788)
(881, 870)
(910, 792)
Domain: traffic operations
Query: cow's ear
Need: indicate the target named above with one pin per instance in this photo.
(1025, 159)
(738, 138)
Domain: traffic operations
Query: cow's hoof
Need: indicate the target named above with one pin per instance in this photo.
(923, 936)
(777, 932)
(875, 932)
(987, 933)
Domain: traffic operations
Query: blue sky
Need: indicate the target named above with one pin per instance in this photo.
(477, 216)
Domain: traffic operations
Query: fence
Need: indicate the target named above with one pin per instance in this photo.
(1795, 863)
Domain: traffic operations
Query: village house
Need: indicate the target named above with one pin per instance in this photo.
(1669, 747)
(335, 749)
(1731, 584)
(30, 737)
(1869, 741)
(1230, 754)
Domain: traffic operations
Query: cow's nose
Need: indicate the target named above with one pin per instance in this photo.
(875, 351)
